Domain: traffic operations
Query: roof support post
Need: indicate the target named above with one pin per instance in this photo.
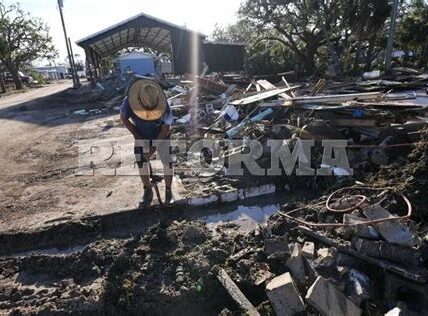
(89, 64)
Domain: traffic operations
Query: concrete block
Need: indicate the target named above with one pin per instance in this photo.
(394, 232)
(323, 252)
(296, 265)
(329, 301)
(284, 296)
(364, 231)
(276, 247)
(308, 249)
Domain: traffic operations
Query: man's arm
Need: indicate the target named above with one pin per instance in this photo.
(130, 126)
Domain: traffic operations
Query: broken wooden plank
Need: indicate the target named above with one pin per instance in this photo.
(393, 231)
(338, 98)
(288, 86)
(318, 87)
(384, 104)
(261, 96)
(236, 293)
(391, 252)
(268, 86)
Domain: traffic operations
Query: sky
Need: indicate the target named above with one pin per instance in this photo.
(85, 17)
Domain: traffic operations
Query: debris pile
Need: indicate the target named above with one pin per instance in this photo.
(378, 127)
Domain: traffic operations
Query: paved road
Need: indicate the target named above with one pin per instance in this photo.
(34, 93)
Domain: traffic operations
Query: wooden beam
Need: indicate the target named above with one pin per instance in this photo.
(261, 96)
(236, 293)
(339, 98)
(268, 86)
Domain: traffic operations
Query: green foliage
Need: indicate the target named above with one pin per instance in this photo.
(316, 36)
(37, 77)
(23, 38)
(413, 32)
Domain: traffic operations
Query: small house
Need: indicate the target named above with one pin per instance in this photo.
(136, 63)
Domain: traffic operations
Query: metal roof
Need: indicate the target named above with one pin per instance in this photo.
(142, 30)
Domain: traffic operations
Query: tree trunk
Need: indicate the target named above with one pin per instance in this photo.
(310, 59)
(2, 85)
(423, 63)
(356, 65)
(16, 79)
(369, 57)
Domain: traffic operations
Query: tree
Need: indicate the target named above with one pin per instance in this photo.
(22, 39)
(263, 56)
(413, 31)
(2, 84)
(364, 22)
(295, 24)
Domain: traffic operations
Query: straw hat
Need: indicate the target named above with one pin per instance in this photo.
(147, 99)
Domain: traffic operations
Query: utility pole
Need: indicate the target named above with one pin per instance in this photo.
(390, 43)
(60, 5)
(72, 61)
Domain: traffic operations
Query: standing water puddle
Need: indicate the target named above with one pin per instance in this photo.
(246, 217)
(247, 214)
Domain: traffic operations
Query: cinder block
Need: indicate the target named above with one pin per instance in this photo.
(329, 301)
(284, 296)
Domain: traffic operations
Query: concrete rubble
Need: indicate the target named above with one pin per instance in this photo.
(284, 296)
(333, 249)
(329, 301)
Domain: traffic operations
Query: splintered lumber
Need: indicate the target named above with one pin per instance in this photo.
(288, 86)
(261, 96)
(412, 273)
(337, 98)
(396, 105)
(384, 250)
(236, 293)
(268, 86)
(318, 87)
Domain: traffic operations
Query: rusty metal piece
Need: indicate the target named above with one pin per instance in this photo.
(369, 222)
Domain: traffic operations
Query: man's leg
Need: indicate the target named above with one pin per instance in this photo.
(163, 149)
(144, 171)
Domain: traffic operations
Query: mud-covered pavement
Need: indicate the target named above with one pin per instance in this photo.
(39, 158)
(166, 271)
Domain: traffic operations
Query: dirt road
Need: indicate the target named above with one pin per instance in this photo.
(34, 94)
(39, 157)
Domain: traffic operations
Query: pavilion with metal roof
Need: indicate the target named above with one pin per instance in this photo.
(144, 30)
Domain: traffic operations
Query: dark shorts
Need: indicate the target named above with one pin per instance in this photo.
(144, 147)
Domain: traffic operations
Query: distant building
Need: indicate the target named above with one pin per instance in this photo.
(51, 72)
(401, 53)
(164, 67)
(135, 62)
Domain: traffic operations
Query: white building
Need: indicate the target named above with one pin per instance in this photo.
(52, 72)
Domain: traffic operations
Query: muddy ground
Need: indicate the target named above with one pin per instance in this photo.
(39, 158)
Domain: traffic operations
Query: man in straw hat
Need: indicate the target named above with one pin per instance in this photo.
(146, 114)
